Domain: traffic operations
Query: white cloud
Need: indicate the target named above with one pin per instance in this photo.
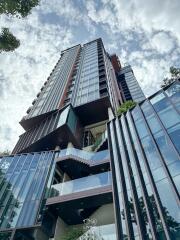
(145, 34)
(24, 71)
(162, 42)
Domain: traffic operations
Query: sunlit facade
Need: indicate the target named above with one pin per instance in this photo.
(79, 169)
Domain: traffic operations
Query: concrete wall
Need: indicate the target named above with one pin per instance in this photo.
(104, 215)
(61, 229)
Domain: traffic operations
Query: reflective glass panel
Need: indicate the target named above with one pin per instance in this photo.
(171, 209)
(63, 117)
(81, 184)
(165, 110)
(174, 93)
(151, 153)
(166, 148)
(174, 134)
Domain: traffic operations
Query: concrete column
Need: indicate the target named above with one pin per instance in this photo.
(70, 145)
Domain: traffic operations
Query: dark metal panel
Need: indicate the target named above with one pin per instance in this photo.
(119, 166)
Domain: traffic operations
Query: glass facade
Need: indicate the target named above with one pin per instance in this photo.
(51, 93)
(145, 153)
(88, 75)
(23, 181)
(129, 85)
(141, 148)
(50, 125)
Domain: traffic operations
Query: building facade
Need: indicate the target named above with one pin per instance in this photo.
(129, 85)
(144, 146)
(78, 170)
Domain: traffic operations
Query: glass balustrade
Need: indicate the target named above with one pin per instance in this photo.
(81, 184)
(91, 156)
(105, 232)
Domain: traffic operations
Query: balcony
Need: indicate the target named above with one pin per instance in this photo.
(76, 200)
(84, 155)
(81, 184)
(56, 130)
(94, 111)
(78, 163)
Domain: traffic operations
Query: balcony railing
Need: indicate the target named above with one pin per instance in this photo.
(105, 232)
(81, 184)
(90, 156)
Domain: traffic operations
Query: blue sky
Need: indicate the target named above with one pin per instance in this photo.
(145, 34)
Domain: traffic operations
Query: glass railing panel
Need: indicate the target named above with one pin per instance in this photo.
(102, 155)
(105, 232)
(90, 156)
(81, 184)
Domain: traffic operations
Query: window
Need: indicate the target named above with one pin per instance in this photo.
(63, 117)
(151, 153)
(174, 133)
(141, 128)
(165, 147)
(164, 109)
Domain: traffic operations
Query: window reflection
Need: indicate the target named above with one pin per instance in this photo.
(150, 117)
(166, 149)
(164, 109)
(174, 134)
(174, 168)
(16, 188)
(151, 153)
(174, 93)
(171, 209)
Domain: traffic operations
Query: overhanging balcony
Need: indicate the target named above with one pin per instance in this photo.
(59, 128)
(81, 184)
(78, 163)
(75, 200)
(94, 111)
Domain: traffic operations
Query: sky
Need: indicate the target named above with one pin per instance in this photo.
(145, 34)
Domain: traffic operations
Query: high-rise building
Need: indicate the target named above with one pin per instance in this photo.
(79, 170)
(129, 85)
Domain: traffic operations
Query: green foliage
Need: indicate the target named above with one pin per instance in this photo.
(125, 107)
(175, 74)
(5, 153)
(18, 8)
(8, 41)
(73, 234)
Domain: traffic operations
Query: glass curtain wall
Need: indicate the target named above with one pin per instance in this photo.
(144, 146)
(88, 76)
(23, 181)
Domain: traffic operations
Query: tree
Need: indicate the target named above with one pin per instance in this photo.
(18, 8)
(125, 107)
(175, 74)
(8, 42)
(5, 153)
